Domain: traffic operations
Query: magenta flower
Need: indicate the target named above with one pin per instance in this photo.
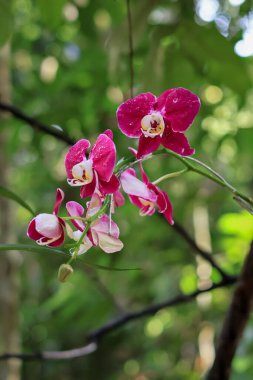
(102, 232)
(48, 229)
(161, 120)
(146, 195)
(97, 170)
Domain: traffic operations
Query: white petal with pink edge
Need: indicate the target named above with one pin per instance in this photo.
(48, 225)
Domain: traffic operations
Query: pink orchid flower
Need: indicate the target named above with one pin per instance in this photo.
(48, 229)
(102, 232)
(161, 120)
(97, 170)
(146, 195)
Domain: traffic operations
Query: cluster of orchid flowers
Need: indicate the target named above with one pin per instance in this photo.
(154, 121)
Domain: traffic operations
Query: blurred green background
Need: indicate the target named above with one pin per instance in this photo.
(70, 67)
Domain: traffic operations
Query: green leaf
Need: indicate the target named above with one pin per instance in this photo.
(6, 20)
(9, 194)
(51, 11)
(29, 248)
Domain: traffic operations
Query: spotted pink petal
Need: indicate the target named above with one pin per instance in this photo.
(130, 113)
(103, 155)
(148, 145)
(109, 133)
(177, 142)
(181, 107)
(161, 100)
(75, 209)
(58, 201)
(75, 155)
(109, 187)
(133, 186)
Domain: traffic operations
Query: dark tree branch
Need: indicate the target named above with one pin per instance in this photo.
(234, 323)
(131, 51)
(94, 336)
(206, 255)
(35, 124)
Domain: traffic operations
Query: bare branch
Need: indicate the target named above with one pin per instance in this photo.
(234, 323)
(36, 124)
(114, 324)
(206, 255)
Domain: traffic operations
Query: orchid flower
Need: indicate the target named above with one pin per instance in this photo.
(103, 232)
(48, 229)
(97, 170)
(161, 120)
(146, 195)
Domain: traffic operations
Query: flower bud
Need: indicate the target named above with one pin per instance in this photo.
(65, 271)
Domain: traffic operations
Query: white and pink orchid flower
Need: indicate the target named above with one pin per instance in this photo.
(103, 232)
(145, 195)
(48, 229)
(96, 171)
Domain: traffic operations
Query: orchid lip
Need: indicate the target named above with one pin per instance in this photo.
(82, 173)
(152, 125)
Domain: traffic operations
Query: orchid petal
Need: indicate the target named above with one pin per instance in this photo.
(75, 209)
(109, 187)
(109, 133)
(148, 145)
(75, 155)
(103, 155)
(95, 205)
(181, 107)
(88, 190)
(48, 225)
(58, 200)
(176, 142)
(108, 243)
(133, 186)
(103, 225)
(130, 113)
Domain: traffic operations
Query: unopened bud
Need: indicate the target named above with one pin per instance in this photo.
(65, 271)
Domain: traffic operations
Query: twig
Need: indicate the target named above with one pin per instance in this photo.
(114, 324)
(234, 323)
(35, 124)
(131, 51)
(206, 255)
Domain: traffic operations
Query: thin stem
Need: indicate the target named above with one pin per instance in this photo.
(73, 218)
(213, 175)
(213, 172)
(170, 175)
(131, 52)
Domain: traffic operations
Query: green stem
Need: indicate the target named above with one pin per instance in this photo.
(170, 175)
(187, 161)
